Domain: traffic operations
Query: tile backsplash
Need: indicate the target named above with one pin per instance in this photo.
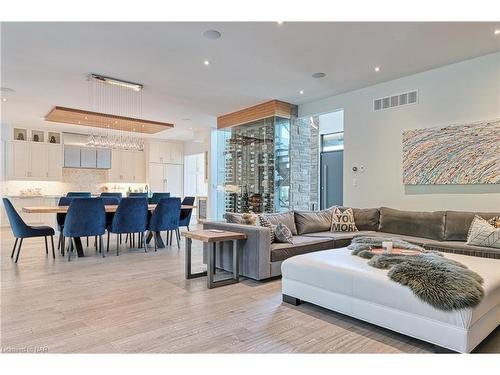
(73, 179)
(79, 179)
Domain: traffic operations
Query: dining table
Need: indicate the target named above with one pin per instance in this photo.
(108, 208)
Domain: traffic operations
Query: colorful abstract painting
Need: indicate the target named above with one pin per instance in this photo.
(462, 154)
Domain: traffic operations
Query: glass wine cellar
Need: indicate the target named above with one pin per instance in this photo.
(254, 166)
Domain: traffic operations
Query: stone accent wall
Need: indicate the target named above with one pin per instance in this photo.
(314, 174)
(304, 160)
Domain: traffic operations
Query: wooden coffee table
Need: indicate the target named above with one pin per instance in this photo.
(214, 238)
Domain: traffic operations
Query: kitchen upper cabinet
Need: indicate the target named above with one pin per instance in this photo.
(177, 153)
(88, 157)
(165, 152)
(116, 167)
(103, 158)
(19, 160)
(127, 166)
(139, 166)
(72, 156)
(54, 153)
(156, 152)
(39, 161)
(34, 161)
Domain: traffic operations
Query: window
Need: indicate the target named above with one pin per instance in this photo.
(332, 142)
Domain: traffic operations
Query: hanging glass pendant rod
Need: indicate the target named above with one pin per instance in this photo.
(120, 98)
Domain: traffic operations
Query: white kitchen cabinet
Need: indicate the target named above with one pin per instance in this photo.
(54, 171)
(127, 166)
(34, 161)
(39, 161)
(174, 179)
(116, 168)
(19, 160)
(156, 152)
(139, 167)
(166, 177)
(176, 153)
(165, 152)
(157, 177)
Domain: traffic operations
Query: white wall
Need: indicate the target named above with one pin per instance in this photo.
(454, 94)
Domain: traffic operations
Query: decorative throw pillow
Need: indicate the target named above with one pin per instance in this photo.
(482, 233)
(282, 233)
(249, 218)
(234, 218)
(264, 222)
(343, 221)
(495, 221)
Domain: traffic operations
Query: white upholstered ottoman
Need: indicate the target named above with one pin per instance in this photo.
(339, 281)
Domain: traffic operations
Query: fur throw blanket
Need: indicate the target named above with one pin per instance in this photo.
(439, 281)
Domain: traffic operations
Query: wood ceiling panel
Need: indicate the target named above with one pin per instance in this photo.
(257, 112)
(103, 120)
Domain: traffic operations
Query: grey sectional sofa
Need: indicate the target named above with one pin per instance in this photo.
(444, 231)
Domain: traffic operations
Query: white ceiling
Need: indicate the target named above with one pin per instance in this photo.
(47, 63)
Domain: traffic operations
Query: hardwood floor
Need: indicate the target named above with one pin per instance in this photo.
(141, 303)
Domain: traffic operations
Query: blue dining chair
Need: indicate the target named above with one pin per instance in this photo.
(21, 230)
(85, 217)
(81, 194)
(137, 195)
(110, 200)
(185, 216)
(63, 201)
(165, 217)
(131, 216)
(155, 198)
(111, 194)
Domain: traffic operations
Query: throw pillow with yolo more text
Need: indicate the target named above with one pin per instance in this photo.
(343, 221)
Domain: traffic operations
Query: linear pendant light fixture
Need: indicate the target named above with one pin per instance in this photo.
(116, 82)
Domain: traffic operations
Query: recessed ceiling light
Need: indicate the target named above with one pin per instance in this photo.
(496, 32)
(377, 69)
(212, 34)
(319, 75)
(279, 22)
(4, 99)
(206, 62)
(301, 92)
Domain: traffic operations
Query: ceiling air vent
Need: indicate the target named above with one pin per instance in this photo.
(410, 97)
